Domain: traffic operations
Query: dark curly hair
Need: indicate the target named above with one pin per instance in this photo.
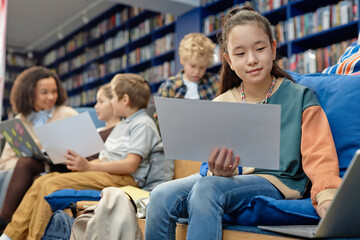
(22, 95)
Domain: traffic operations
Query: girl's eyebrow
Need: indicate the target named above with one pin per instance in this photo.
(255, 43)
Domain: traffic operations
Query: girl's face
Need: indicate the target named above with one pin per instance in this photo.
(250, 53)
(46, 94)
(103, 107)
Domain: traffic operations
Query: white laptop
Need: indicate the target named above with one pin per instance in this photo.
(342, 218)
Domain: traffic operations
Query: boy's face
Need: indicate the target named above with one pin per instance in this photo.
(116, 104)
(194, 70)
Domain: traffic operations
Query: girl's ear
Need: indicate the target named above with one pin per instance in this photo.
(227, 58)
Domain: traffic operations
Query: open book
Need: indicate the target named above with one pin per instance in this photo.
(77, 133)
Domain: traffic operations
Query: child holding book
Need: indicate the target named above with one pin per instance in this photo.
(196, 53)
(124, 162)
(38, 97)
(28, 169)
(307, 152)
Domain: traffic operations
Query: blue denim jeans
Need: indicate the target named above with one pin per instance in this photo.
(204, 201)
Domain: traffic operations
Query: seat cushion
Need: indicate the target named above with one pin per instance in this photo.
(264, 210)
(61, 199)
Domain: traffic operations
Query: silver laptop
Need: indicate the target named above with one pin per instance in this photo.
(342, 218)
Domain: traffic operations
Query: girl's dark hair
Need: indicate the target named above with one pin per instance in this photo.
(242, 16)
(23, 92)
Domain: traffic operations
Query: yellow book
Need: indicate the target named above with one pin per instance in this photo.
(135, 193)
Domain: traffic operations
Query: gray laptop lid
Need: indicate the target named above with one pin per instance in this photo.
(342, 218)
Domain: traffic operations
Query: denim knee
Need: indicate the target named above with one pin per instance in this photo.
(203, 192)
(162, 195)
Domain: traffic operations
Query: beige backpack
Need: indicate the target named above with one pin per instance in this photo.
(113, 217)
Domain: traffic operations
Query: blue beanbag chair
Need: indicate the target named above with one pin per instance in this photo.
(61, 199)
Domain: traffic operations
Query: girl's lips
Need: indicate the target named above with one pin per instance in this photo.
(254, 70)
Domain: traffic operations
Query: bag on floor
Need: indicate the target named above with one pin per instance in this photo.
(59, 226)
(113, 217)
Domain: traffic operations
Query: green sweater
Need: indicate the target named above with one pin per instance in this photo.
(294, 100)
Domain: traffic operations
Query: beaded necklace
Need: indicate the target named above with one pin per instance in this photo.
(267, 94)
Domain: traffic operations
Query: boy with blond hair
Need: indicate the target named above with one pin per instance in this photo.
(196, 53)
(126, 160)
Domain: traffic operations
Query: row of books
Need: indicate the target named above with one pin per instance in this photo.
(119, 40)
(116, 64)
(138, 55)
(315, 60)
(164, 44)
(83, 98)
(141, 54)
(83, 37)
(95, 72)
(142, 29)
(156, 48)
(214, 22)
(89, 55)
(150, 24)
(161, 20)
(17, 60)
(159, 72)
(322, 19)
(153, 74)
(268, 5)
(107, 24)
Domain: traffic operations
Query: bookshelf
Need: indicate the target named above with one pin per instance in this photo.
(311, 35)
(121, 40)
(15, 64)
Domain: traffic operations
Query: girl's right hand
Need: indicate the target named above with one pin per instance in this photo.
(222, 163)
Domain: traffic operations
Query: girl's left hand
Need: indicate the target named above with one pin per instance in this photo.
(75, 162)
(322, 208)
(222, 163)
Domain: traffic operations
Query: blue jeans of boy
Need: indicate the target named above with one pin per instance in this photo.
(204, 201)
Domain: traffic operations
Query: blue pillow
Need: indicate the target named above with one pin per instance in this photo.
(339, 96)
(61, 199)
(264, 210)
